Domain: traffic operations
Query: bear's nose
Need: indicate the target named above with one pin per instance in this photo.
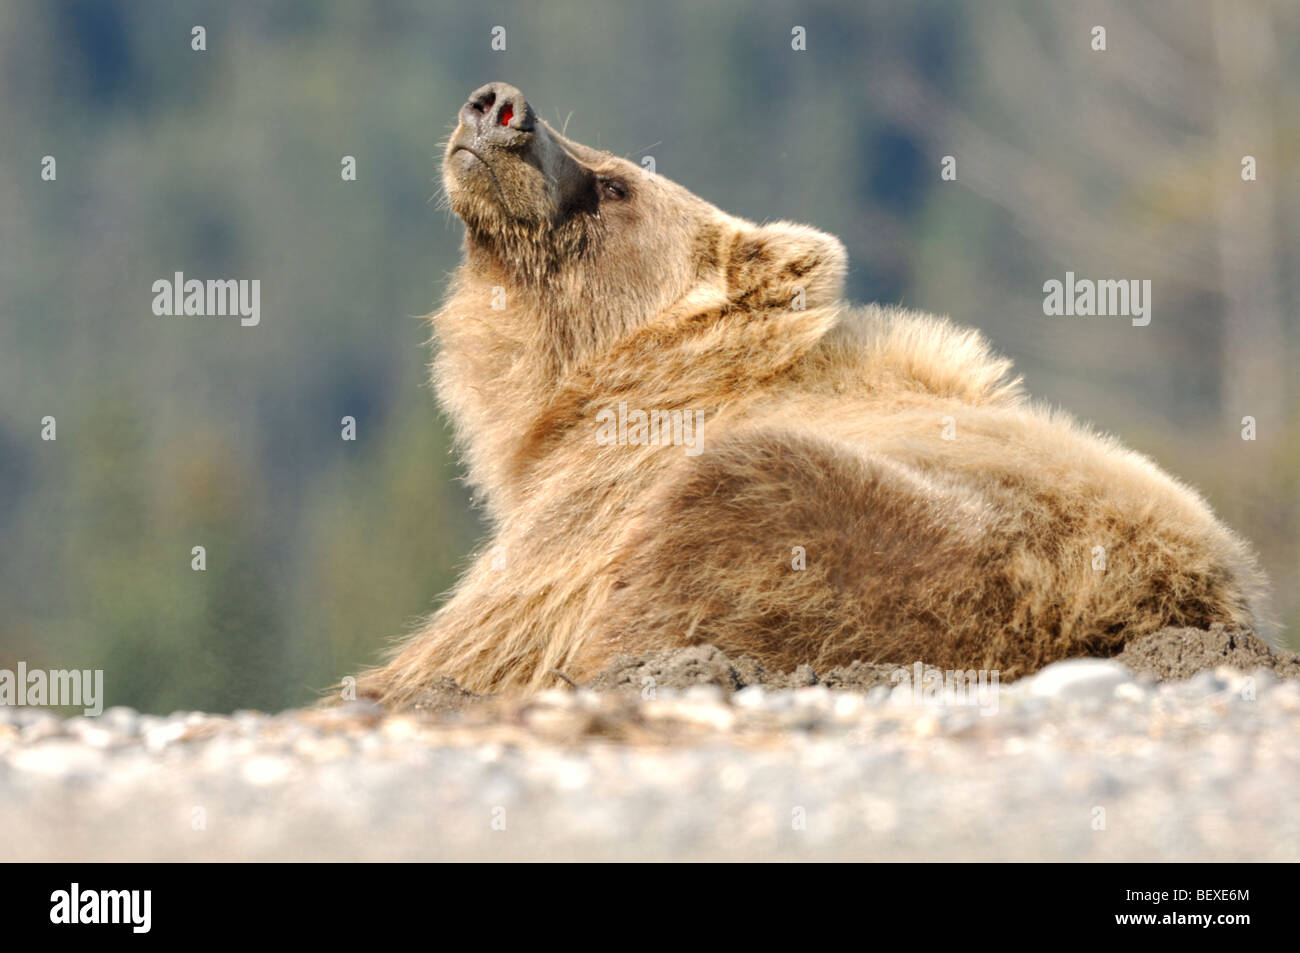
(497, 113)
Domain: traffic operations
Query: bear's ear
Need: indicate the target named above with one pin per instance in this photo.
(784, 265)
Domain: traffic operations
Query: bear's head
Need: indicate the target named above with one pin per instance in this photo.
(596, 245)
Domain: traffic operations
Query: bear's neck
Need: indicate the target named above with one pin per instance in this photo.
(517, 387)
(499, 359)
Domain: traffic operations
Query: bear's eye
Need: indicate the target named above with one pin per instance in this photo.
(612, 188)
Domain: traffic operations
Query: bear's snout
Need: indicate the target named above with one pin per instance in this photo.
(497, 115)
(504, 161)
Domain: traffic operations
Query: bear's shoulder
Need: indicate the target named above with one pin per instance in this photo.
(893, 347)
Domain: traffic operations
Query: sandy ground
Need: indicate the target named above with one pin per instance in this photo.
(1183, 748)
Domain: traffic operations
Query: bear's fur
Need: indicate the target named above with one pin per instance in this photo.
(941, 516)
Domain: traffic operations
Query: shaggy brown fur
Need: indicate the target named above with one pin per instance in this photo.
(825, 427)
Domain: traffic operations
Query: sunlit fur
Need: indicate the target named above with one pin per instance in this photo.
(824, 430)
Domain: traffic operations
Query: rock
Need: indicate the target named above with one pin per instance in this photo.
(93, 732)
(39, 725)
(1081, 679)
(814, 697)
(703, 695)
(158, 737)
(60, 758)
(266, 770)
(1131, 692)
(125, 721)
(803, 676)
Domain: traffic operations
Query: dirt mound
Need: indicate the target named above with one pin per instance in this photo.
(1167, 655)
(706, 665)
(1175, 654)
(445, 695)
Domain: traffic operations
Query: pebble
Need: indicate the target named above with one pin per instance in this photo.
(159, 736)
(266, 769)
(1082, 679)
(57, 759)
(798, 773)
(38, 729)
(124, 721)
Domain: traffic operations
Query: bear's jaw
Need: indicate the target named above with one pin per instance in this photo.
(531, 229)
(528, 257)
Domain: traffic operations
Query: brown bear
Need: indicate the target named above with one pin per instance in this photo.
(683, 435)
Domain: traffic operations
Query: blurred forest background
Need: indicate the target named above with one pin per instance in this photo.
(176, 432)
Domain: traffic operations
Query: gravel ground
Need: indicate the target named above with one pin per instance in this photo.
(710, 759)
